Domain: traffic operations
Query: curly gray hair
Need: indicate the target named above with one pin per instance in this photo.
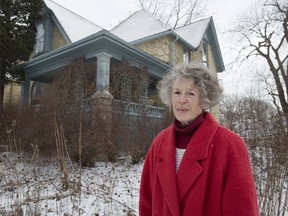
(208, 84)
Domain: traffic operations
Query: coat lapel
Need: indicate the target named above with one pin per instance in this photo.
(166, 171)
(190, 169)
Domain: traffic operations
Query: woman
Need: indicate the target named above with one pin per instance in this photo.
(196, 167)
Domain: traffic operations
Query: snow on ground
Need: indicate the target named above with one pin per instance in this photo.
(39, 188)
(34, 186)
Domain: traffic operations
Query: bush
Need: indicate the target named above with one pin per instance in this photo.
(88, 155)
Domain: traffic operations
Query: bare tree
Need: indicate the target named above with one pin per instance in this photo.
(174, 13)
(249, 117)
(265, 32)
(258, 123)
(230, 112)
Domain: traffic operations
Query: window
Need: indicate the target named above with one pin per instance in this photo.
(205, 53)
(186, 56)
(40, 39)
(36, 92)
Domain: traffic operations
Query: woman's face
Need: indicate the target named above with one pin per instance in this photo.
(185, 100)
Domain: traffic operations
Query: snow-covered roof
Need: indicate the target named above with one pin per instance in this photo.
(137, 28)
(142, 24)
(139, 25)
(75, 26)
(194, 32)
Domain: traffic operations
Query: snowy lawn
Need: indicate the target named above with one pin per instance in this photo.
(36, 186)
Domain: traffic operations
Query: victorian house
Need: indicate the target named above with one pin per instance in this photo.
(140, 42)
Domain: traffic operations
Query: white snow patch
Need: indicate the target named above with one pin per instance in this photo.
(106, 189)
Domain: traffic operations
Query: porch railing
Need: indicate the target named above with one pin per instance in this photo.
(132, 109)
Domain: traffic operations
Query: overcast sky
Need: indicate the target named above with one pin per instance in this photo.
(109, 13)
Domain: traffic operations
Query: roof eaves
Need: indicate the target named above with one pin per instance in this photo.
(133, 48)
(162, 34)
(65, 48)
(220, 65)
(62, 55)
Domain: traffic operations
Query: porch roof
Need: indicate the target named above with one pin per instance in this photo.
(42, 67)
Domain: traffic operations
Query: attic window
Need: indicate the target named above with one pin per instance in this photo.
(40, 39)
(205, 53)
(186, 56)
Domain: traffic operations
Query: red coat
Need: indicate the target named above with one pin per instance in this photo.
(214, 178)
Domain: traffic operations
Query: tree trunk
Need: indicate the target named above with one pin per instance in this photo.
(2, 84)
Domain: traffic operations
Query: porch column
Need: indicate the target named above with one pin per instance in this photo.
(102, 99)
(25, 92)
(103, 72)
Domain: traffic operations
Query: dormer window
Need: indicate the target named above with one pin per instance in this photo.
(40, 39)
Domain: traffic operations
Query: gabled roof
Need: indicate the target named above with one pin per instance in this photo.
(194, 32)
(142, 26)
(139, 25)
(203, 29)
(74, 26)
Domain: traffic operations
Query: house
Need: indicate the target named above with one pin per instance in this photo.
(140, 41)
